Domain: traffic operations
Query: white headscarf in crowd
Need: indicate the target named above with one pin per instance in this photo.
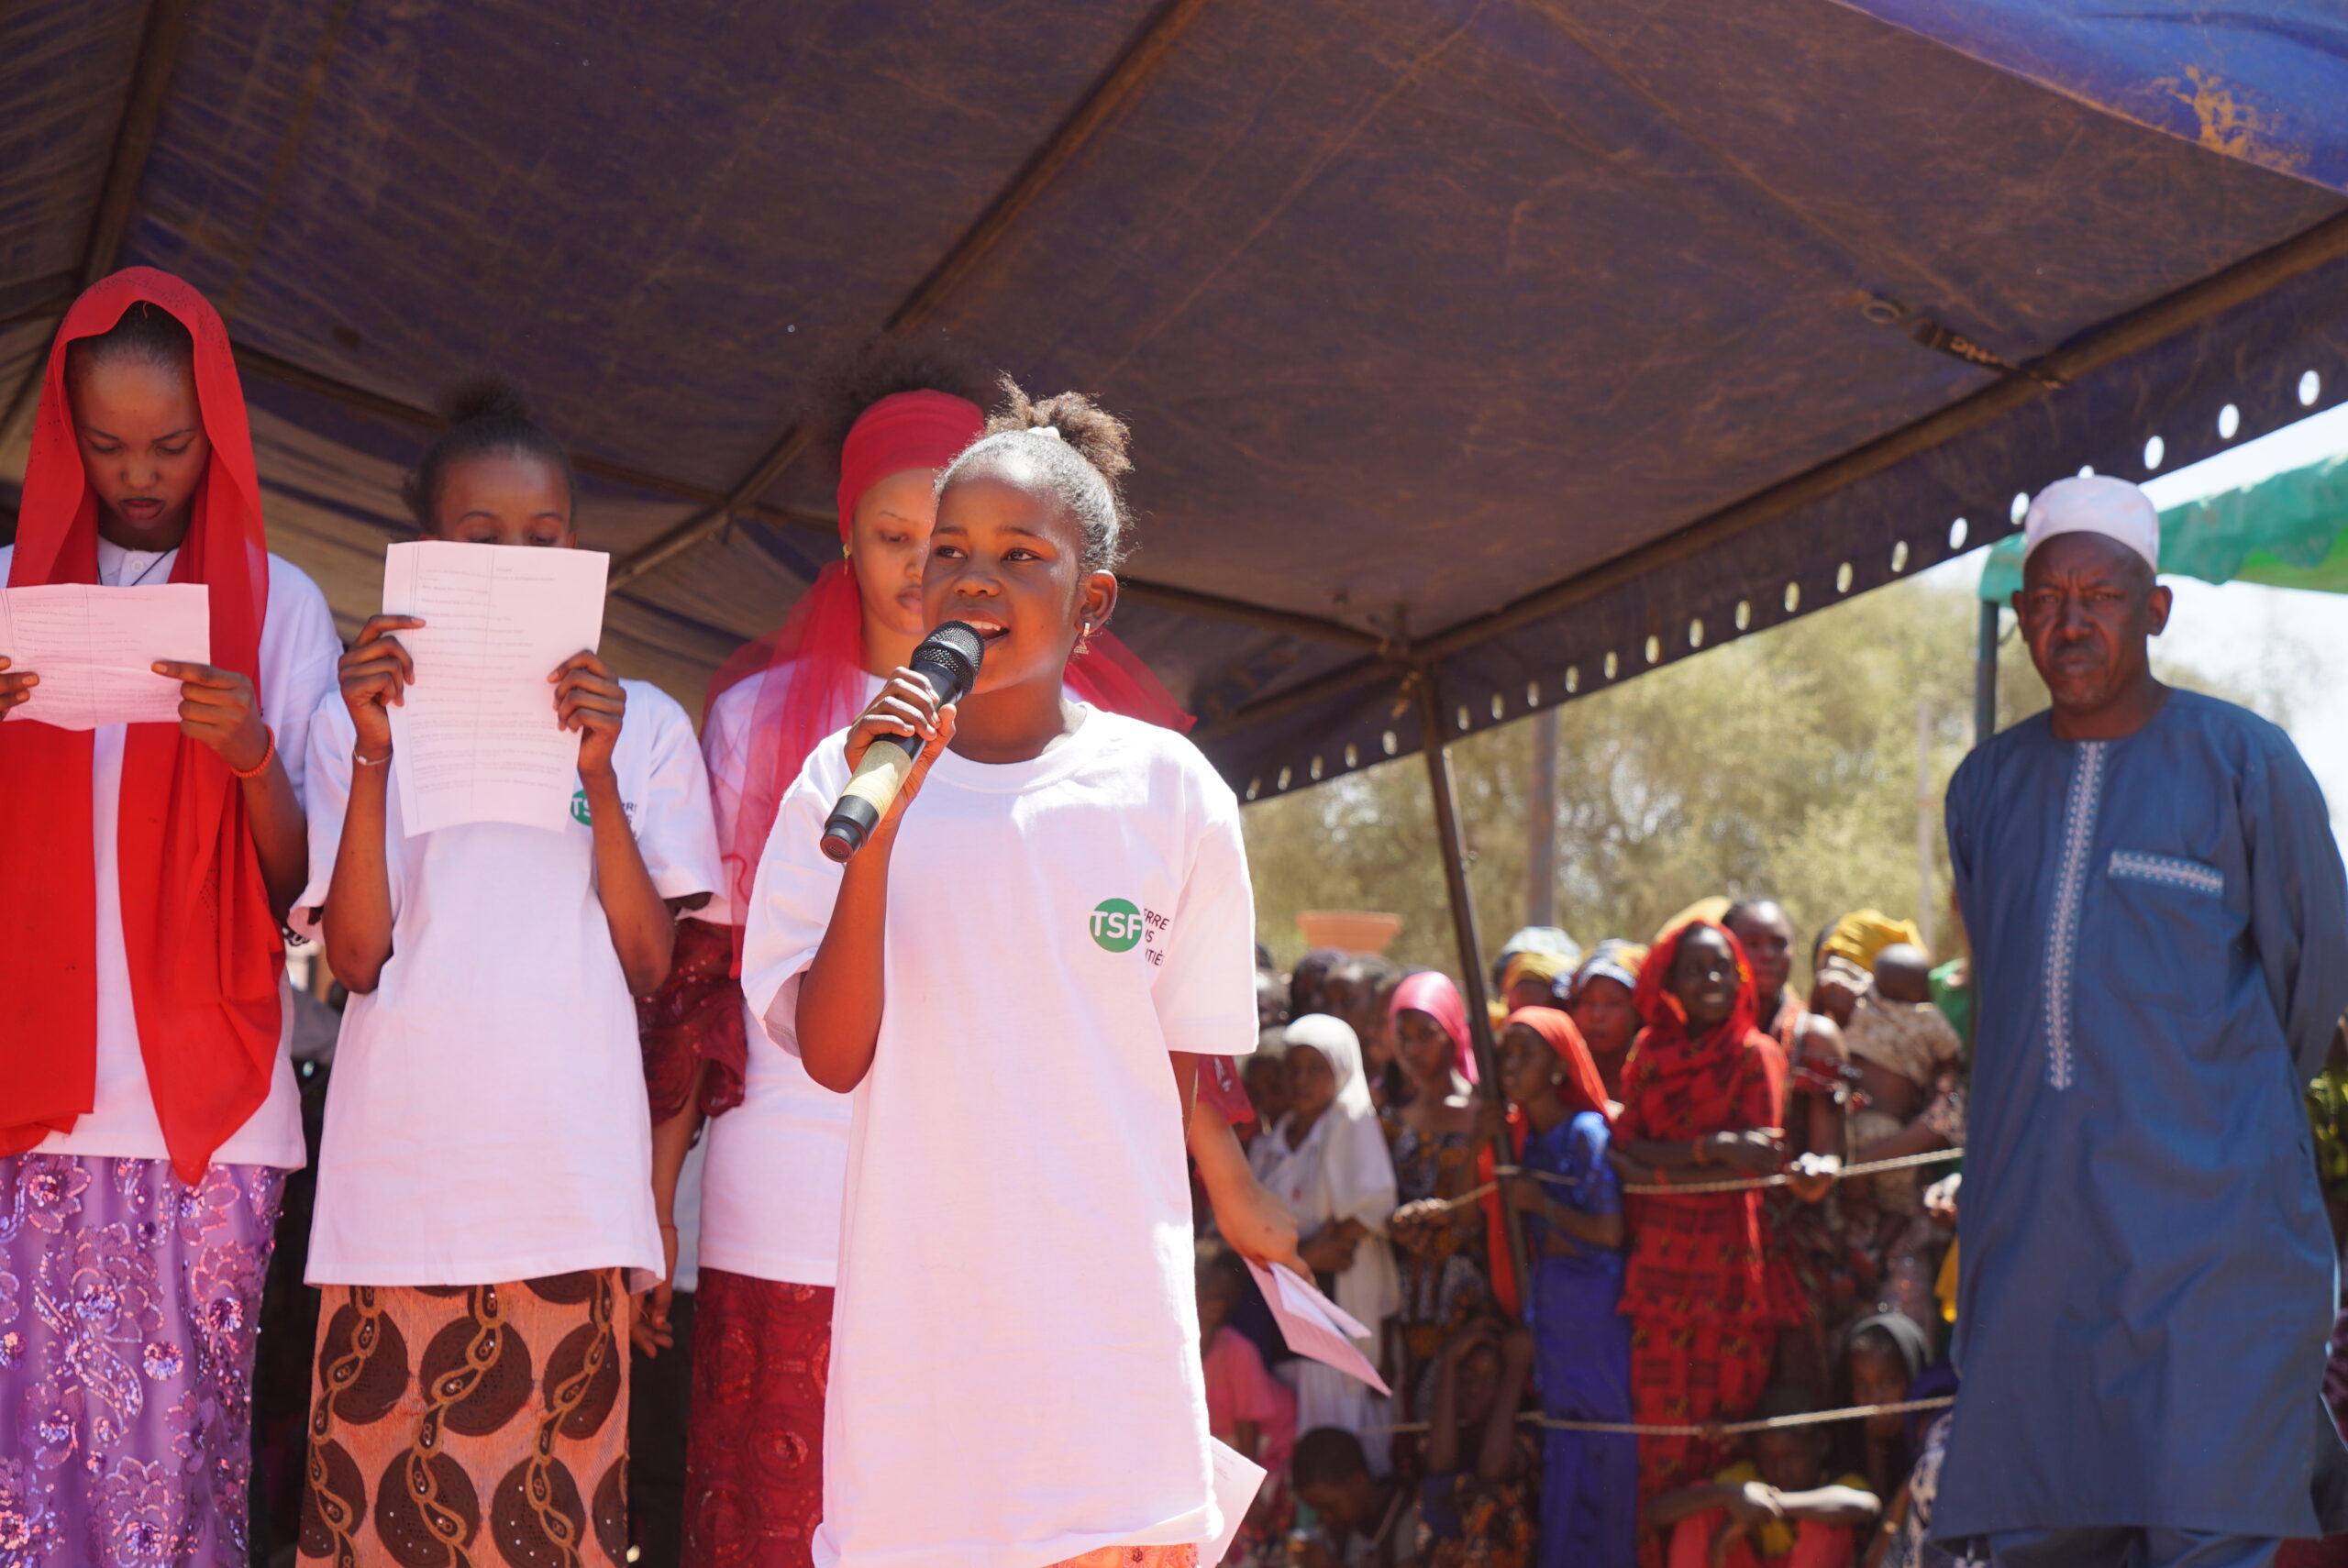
(1340, 1170)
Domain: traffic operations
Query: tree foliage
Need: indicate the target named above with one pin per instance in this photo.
(1782, 763)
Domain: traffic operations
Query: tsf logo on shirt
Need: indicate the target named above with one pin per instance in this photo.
(585, 818)
(1119, 926)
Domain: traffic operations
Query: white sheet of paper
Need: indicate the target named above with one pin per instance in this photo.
(1313, 1325)
(93, 648)
(475, 737)
(1238, 1478)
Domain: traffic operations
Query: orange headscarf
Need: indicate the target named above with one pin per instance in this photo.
(1583, 1089)
(202, 943)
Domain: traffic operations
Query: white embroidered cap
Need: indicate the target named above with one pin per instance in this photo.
(2096, 503)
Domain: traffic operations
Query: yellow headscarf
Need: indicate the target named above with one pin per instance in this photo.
(1863, 933)
(1536, 965)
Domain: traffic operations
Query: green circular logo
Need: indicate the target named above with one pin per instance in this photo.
(1116, 924)
(578, 810)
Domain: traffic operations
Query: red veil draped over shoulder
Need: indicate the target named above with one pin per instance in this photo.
(811, 673)
(202, 945)
(1700, 1256)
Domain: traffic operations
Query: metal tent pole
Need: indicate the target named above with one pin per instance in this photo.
(1471, 953)
(1984, 677)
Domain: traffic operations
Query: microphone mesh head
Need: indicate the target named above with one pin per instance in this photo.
(951, 656)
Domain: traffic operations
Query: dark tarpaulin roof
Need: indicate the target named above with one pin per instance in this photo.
(1505, 341)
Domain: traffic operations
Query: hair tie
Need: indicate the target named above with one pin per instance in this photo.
(1051, 430)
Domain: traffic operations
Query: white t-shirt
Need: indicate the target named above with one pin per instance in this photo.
(1015, 1369)
(790, 1133)
(298, 650)
(487, 1119)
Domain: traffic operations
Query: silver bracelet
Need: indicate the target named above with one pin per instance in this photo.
(370, 761)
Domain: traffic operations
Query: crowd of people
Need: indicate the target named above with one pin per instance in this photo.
(678, 1193)
(1623, 1071)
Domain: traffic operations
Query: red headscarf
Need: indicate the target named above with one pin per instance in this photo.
(1582, 1089)
(1700, 1257)
(1658, 1009)
(1433, 993)
(1683, 1086)
(203, 946)
(821, 642)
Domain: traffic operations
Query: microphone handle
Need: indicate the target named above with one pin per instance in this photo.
(870, 791)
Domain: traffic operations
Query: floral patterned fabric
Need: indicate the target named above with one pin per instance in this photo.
(1136, 1557)
(128, 1301)
(1441, 1265)
(1466, 1521)
(470, 1426)
(754, 1461)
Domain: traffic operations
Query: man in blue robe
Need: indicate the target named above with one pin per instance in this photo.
(2159, 923)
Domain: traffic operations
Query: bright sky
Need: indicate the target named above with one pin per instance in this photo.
(2278, 640)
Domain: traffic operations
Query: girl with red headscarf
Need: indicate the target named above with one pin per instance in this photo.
(1435, 1135)
(763, 1306)
(148, 1109)
(1700, 1103)
(1573, 1234)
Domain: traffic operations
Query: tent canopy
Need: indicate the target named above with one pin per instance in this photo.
(2290, 531)
(1504, 344)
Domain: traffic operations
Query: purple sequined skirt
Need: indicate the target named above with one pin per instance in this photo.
(127, 1313)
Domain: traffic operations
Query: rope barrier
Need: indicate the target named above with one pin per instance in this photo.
(1693, 1188)
(1724, 1428)
(1748, 1184)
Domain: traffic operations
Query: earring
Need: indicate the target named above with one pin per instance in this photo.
(1084, 638)
(847, 549)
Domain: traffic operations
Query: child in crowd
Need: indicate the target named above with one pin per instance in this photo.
(1701, 1099)
(148, 1106)
(1265, 1076)
(1015, 1371)
(1327, 1161)
(1308, 983)
(1769, 1510)
(1365, 1521)
(1248, 1408)
(1271, 998)
(1477, 1501)
(1434, 1137)
(1600, 1000)
(1574, 1234)
(1529, 967)
(485, 1169)
(1906, 1054)
(1358, 991)
(1882, 1359)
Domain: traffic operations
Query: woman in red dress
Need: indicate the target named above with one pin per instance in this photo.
(1700, 1098)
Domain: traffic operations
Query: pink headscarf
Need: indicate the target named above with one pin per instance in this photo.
(1435, 995)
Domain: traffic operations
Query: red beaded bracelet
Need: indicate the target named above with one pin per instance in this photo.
(255, 770)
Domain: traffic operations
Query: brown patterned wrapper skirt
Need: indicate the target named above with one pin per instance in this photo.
(470, 1426)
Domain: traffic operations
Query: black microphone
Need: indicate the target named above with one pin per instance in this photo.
(948, 660)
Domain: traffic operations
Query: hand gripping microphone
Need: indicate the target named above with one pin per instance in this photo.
(948, 660)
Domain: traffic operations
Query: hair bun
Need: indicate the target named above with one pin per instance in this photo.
(487, 398)
(1097, 435)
